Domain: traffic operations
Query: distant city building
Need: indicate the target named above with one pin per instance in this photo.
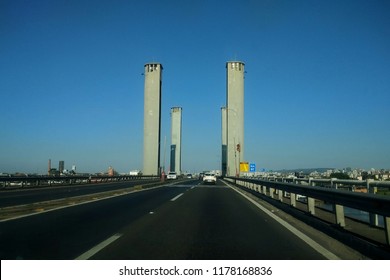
(49, 167)
(61, 166)
(235, 116)
(110, 171)
(176, 122)
(152, 118)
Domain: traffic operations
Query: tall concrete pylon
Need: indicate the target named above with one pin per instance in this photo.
(235, 116)
(224, 141)
(152, 118)
(176, 132)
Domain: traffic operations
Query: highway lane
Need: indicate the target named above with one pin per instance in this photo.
(206, 222)
(66, 233)
(30, 195)
(188, 221)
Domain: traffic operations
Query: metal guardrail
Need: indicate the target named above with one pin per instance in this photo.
(41, 181)
(369, 202)
(331, 182)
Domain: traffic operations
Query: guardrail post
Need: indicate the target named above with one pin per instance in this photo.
(339, 214)
(280, 195)
(271, 192)
(373, 217)
(387, 229)
(293, 200)
(311, 207)
(333, 184)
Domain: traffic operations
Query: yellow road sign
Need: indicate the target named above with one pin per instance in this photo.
(244, 166)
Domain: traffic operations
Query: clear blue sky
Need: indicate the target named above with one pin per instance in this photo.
(317, 87)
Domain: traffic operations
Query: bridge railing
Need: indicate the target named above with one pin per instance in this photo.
(331, 182)
(42, 181)
(374, 204)
(368, 184)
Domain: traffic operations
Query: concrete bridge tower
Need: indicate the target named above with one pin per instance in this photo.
(235, 116)
(224, 141)
(176, 118)
(152, 118)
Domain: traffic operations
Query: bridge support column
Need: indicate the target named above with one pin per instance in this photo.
(264, 190)
(339, 213)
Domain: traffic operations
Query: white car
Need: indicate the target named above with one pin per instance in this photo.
(172, 175)
(209, 178)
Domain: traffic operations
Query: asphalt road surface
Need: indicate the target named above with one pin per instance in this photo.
(33, 195)
(184, 221)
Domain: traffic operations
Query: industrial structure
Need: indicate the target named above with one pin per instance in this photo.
(152, 118)
(234, 116)
(176, 121)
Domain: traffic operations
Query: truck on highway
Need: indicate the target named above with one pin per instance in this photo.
(135, 173)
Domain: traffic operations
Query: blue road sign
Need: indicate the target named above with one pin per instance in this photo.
(252, 167)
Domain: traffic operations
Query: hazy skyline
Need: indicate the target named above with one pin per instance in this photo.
(317, 87)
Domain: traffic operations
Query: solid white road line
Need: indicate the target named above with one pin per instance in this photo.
(176, 197)
(98, 247)
(320, 249)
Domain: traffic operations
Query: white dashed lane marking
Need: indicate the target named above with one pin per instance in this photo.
(98, 247)
(176, 197)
